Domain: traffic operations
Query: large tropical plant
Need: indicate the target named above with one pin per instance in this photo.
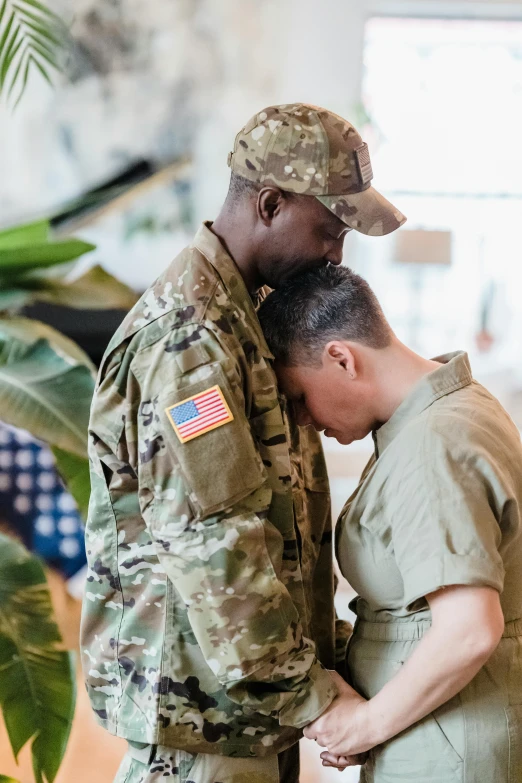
(46, 386)
(46, 380)
(37, 683)
(32, 38)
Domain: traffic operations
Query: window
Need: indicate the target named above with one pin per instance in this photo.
(443, 100)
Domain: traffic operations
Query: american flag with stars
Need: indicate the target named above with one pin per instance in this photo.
(199, 414)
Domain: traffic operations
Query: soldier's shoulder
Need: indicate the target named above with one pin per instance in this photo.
(173, 316)
(180, 295)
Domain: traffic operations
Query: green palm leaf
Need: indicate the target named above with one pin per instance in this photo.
(32, 37)
(37, 683)
(46, 387)
(24, 258)
(75, 472)
(27, 234)
(27, 256)
(27, 331)
(29, 247)
(96, 289)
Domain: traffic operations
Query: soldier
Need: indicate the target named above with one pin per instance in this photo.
(208, 623)
(430, 540)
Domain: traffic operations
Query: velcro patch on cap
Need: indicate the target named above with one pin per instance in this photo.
(364, 164)
(198, 414)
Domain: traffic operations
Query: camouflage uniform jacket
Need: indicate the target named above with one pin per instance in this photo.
(203, 597)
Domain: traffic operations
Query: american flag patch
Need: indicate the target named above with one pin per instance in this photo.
(364, 164)
(199, 414)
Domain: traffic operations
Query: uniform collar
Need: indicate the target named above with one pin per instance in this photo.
(454, 374)
(209, 245)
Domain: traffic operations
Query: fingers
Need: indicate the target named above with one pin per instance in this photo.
(342, 762)
(313, 734)
(331, 760)
(348, 761)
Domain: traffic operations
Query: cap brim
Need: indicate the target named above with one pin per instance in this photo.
(367, 212)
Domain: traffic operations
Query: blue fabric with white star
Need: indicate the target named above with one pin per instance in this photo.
(184, 412)
(35, 504)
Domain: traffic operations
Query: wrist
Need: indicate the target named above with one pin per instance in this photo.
(372, 724)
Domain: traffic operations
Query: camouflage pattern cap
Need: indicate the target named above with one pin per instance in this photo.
(308, 150)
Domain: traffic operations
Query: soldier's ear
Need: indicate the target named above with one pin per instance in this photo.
(338, 353)
(269, 202)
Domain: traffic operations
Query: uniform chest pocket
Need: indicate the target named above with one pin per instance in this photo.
(212, 443)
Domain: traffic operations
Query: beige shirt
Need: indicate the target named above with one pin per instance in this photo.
(439, 503)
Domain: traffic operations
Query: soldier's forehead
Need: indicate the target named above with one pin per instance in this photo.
(324, 215)
(336, 222)
(288, 379)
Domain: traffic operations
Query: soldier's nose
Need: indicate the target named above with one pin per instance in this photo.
(335, 254)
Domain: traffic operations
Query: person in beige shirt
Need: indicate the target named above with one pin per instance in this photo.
(430, 540)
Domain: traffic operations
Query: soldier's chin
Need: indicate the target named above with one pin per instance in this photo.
(274, 280)
(309, 266)
(300, 269)
(341, 437)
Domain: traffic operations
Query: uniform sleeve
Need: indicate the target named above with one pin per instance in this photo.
(206, 501)
(443, 518)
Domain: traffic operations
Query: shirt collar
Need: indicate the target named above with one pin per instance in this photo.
(209, 245)
(454, 374)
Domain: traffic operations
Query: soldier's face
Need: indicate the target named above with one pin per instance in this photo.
(327, 399)
(301, 234)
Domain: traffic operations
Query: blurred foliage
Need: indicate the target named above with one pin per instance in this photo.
(46, 380)
(32, 37)
(46, 387)
(149, 224)
(37, 679)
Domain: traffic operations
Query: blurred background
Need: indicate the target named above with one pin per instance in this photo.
(128, 152)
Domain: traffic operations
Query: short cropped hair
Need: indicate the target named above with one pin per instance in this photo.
(240, 187)
(308, 311)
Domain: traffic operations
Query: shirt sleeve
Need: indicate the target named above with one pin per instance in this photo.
(206, 501)
(444, 522)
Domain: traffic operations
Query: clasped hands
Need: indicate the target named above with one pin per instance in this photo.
(342, 728)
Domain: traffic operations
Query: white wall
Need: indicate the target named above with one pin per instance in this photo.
(160, 78)
(304, 51)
